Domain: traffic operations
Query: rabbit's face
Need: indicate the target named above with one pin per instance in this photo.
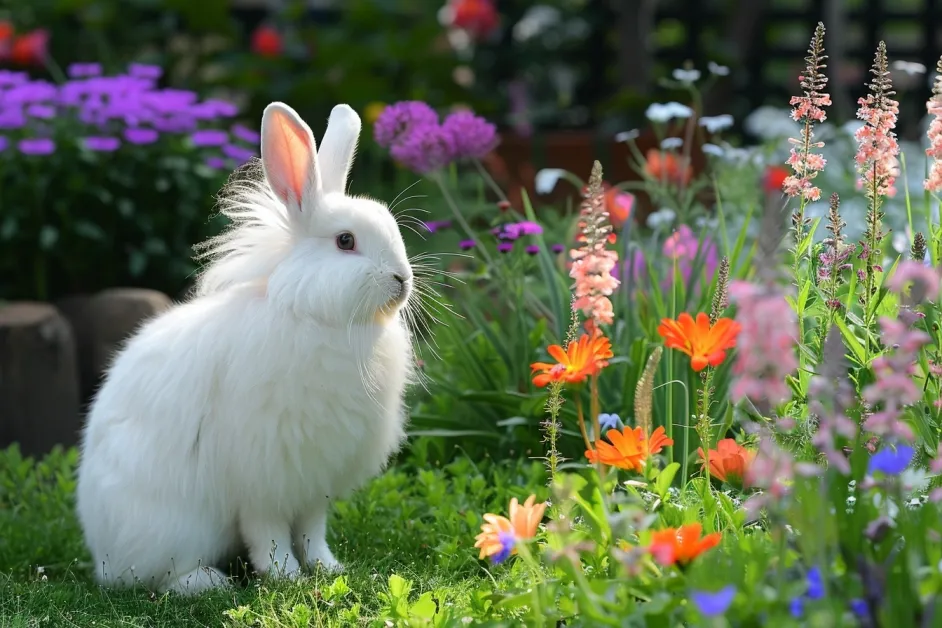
(348, 264)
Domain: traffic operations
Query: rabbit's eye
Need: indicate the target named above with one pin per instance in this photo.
(346, 241)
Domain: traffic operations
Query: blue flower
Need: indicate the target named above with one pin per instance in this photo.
(796, 607)
(715, 603)
(507, 541)
(891, 461)
(859, 607)
(815, 584)
(609, 421)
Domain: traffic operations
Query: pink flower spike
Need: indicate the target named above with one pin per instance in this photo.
(877, 148)
(934, 152)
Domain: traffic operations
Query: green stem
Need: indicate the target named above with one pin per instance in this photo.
(460, 218)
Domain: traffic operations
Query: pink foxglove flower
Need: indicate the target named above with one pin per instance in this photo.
(592, 262)
(877, 148)
(808, 110)
(934, 152)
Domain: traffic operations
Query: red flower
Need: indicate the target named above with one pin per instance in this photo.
(31, 48)
(774, 179)
(6, 35)
(478, 17)
(266, 41)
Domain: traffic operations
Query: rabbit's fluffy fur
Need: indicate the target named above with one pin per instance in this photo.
(235, 418)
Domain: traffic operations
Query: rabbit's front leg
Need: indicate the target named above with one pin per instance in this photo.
(312, 539)
(269, 544)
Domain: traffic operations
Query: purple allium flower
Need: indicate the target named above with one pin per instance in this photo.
(141, 136)
(532, 249)
(424, 149)
(80, 70)
(608, 421)
(815, 584)
(505, 247)
(216, 163)
(435, 225)
(36, 146)
(507, 542)
(398, 120)
(474, 137)
(209, 137)
(891, 461)
(9, 78)
(557, 248)
(713, 603)
(102, 144)
(46, 112)
(238, 153)
(140, 70)
(516, 230)
(12, 119)
(467, 245)
(246, 134)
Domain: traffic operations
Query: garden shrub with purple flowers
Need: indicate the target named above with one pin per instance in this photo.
(108, 180)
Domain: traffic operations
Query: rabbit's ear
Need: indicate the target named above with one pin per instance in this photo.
(289, 155)
(338, 147)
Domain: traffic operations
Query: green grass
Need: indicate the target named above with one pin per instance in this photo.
(406, 542)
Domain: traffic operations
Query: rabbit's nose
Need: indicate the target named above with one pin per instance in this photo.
(400, 279)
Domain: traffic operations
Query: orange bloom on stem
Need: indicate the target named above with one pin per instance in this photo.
(705, 344)
(729, 461)
(666, 166)
(499, 534)
(681, 545)
(629, 448)
(584, 357)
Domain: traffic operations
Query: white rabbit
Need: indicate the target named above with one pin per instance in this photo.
(238, 416)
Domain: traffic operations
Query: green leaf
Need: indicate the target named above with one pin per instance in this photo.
(852, 341)
(664, 479)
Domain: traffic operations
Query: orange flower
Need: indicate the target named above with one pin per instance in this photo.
(728, 462)
(704, 344)
(618, 204)
(584, 357)
(681, 545)
(630, 448)
(666, 167)
(499, 534)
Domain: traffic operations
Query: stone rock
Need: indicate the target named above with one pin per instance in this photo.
(102, 322)
(39, 395)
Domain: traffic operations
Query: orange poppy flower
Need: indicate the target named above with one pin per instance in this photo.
(499, 534)
(584, 357)
(705, 344)
(629, 449)
(618, 204)
(681, 545)
(728, 462)
(666, 166)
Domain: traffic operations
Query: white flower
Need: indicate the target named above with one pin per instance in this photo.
(627, 136)
(909, 67)
(661, 218)
(717, 69)
(535, 21)
(900, 242)
(669, 143)
(658, 112)
(715, 124)
(545, 180)
(705, 222)
(686, 76)
(712, 149)
(771, 123)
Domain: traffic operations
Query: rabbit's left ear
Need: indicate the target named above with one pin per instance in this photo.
(338, 147)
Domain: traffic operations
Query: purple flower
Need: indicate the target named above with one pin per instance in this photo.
(424, 149)
(102, 144)
(12, 119)
(246, 134)
(796, 607)
(220, 108)
(891, 461)
(79, 70)
(141, 136)
(474, 136)
(505, 247)
(435, 225)
(216, 163)
(209, 137)
(140, 70)
(36, 146)
(859, 607)
(557, 248)
(532, 249)
(45, 112)
(174, 124)
(636, 265)
(815, 584)
(516, 230)
(507, 542)
(4, 142)
(466, 245)
(711, 603)
(684, 247)
(8, 78)
(238, 153)
(608, 421)
(398, 120)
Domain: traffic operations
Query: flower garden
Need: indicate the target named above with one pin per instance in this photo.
(725, 412)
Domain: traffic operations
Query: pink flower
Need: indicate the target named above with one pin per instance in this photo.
(924, 280)
(877, 148)
(593, 263)
(766, 346)
(934, 152)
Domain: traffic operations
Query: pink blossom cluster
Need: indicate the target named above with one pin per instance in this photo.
(877, 148)
(934, 152)
(935, 466)
(923, 282)
(833, 422)
(771, 471)
(765, 350)
(894, 388)
(592, 262)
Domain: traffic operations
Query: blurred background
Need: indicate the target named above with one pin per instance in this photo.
(121, 119)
